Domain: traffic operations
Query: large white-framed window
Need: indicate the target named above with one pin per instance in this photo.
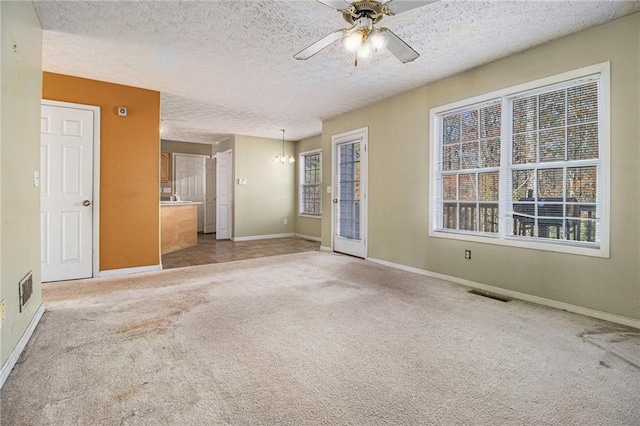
(526, 166)
(310, 178)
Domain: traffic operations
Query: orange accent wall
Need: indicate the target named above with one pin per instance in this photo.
(129, 166)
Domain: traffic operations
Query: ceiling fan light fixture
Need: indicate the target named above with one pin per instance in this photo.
(378, 40)
(352, 42)
(364, 51)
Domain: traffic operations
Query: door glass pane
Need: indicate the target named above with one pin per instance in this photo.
(349, 187)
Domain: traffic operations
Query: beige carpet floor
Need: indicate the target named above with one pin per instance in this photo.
(312, 338)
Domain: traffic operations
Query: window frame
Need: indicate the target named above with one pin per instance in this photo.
(301, 184)
(505, 97)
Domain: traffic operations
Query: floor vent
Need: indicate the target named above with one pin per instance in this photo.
(490, 295)
(26, 289)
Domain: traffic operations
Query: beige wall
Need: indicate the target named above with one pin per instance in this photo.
(21, 70)
(268, 197)
(399, 178)
(186, 147)
(308, 226)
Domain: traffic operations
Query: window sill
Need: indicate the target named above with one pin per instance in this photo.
(310, 216)
(526, 243)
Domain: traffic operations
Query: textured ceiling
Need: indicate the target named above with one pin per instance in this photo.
(226, 67)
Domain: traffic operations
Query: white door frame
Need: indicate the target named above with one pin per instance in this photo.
(364, 174)
(95, 203)
(231, 192)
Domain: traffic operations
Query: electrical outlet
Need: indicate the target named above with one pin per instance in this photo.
(285, 221)
(3, 310)
(467, 254)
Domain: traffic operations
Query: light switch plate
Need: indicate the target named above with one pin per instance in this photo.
(3, 310)
(36, 178)
(328, 190)
(166, 190)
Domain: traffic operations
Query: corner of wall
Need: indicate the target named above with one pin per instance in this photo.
(21, 71)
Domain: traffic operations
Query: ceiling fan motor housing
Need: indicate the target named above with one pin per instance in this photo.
(369, 8)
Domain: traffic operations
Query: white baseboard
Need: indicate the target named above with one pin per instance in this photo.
(22, 343)
(594, 313)
(127, 271)
(264, 237)
(326, 248)
(309, 237)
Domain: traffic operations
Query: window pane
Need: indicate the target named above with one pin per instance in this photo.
(451, 160)
(552, 145)
(489, 217)
(450, 187)
(552, 109)
(522, 184)
(583, 142)
(451, 129)
(468, 217)
(470, 125)
(490, 121)
(550, 184)
(582, 184)
(468, 187)
(582, 103)
(450, 216)
(524, 148)
(525, 115)
(488, 186)
(490, 153)
(469, 157)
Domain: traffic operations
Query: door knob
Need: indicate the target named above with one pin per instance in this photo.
(86, 203)
(335, 201)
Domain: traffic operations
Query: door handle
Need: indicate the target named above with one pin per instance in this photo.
(335, 201)
(86, 203)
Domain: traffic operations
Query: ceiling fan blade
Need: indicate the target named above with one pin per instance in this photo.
(399, 6)
(399, 48)
(335, 4)
(319, 45)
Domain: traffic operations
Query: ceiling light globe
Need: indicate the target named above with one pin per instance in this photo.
(352, 42)
(378, 40)
(364, 51)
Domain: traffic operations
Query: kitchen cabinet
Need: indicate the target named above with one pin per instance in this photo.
(165, 167)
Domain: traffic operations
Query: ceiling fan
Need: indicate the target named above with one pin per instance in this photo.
(362, 38)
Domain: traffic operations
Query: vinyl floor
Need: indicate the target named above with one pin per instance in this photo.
(209, 250)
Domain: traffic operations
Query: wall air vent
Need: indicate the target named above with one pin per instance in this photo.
(26, 289)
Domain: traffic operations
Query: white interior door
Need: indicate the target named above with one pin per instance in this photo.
(210, 197)
(350, 193)
(190, 181)
(66, 187)
(223, 195)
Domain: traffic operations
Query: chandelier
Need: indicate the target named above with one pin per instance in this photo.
(283, 157)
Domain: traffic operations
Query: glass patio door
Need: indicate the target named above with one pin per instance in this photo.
(349, 200)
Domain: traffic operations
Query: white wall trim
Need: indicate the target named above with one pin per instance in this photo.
(326, 249)
(22, 343)
(593, 313)
(96, 175)
(309, 237)
(128, 271)
(264, 237)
